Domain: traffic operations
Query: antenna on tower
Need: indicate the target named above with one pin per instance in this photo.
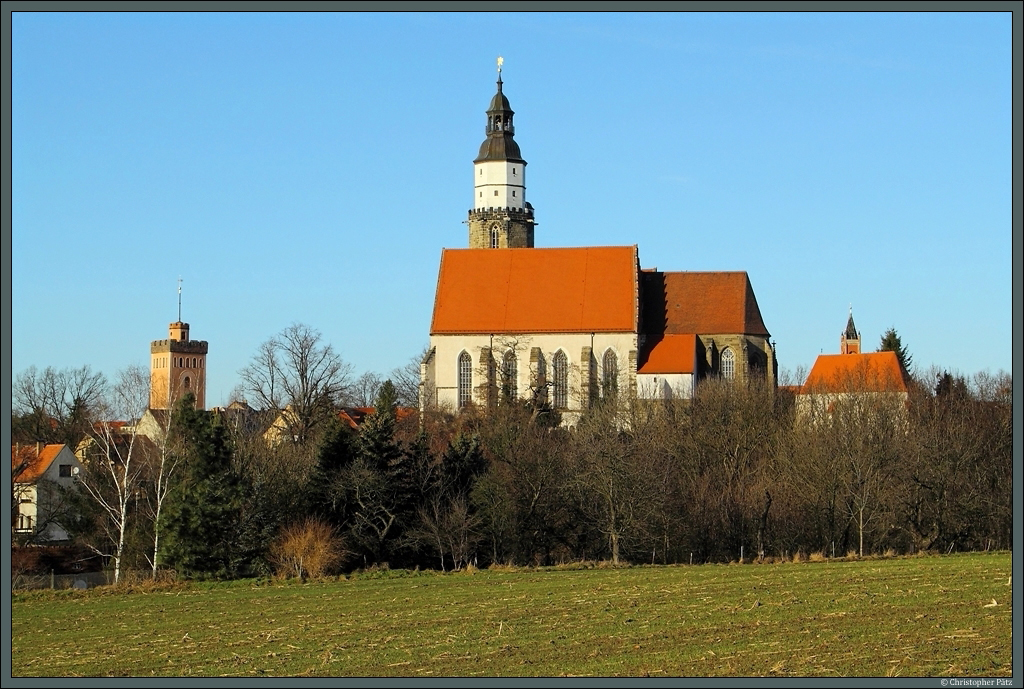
(179, 299)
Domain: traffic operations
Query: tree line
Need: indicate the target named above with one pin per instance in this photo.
(733, 471)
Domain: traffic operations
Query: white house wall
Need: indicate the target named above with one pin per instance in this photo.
(664, 386)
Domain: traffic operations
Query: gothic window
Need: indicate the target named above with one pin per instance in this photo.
(610, 369)
(560, 384)
(188, 383)
(510, 376)
(465, 379)
(494, 236)
(728, 364)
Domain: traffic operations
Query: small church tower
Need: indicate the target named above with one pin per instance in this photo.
(849, 341)
(177, 366)
(501, 216)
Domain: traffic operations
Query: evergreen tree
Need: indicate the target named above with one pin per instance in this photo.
(205, 512)
(324, 494)
(380, 484)
(891, 343)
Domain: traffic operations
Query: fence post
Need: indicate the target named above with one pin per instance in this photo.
(51, 579)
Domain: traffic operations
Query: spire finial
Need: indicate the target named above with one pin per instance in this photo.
(179, 299)
(501, 61)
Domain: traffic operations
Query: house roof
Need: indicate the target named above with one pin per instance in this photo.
(702, 303)
(355, 416)
(668, 354)
(586, 289)
(38, 460)
(869, 372)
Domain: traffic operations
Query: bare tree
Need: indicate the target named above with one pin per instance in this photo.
(406, 380)
(116, 465)
(295, 373)
(55, 406)
(365, 389)
(163, 463)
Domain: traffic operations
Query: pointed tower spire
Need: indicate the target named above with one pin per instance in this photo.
(501, 216)
(849, 341)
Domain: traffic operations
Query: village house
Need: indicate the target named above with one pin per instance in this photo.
(40, 476)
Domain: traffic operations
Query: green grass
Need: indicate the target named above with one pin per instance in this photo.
(923, 616)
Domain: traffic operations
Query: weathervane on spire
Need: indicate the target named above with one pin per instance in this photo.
(179, 299)
(501, 61)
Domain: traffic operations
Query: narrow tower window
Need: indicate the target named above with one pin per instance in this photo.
(610, 380)
(560, 384)
(728, 364)
(510, 377)
(465, 379)
(494, 237)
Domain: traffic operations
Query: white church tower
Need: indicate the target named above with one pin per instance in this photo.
(501, 216)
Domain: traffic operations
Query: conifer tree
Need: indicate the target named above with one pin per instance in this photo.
(891, 343)
(206, 508)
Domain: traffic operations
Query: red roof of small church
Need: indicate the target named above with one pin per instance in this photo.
(706, 303)
(869, 372)
(37, 462)
(586, 289)
(668, 354)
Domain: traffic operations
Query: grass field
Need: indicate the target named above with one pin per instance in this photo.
(923, 616)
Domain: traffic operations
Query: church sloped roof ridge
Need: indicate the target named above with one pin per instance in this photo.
(536, 290)
(702, 302)
(864, 372)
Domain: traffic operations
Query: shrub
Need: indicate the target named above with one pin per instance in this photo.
(309, 548)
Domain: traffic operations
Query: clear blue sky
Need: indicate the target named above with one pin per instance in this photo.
(310, 168)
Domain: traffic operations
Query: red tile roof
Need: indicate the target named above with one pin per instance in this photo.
(355, 416)
(37, 463)
(709, 303)
(669, 354)
(869, 372)
(587, 289)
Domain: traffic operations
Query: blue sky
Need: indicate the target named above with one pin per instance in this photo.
(310, 168)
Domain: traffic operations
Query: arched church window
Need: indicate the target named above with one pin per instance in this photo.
(610, 369)
(494, 236)
(188, 383)
(465, 379)
(560, 384)
(728, 364)
(509, 376)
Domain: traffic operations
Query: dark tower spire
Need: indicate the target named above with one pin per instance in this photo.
(500, 218)
(849, 341)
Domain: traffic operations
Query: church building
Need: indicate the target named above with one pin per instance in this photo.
(572, 326)
(852, 375)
